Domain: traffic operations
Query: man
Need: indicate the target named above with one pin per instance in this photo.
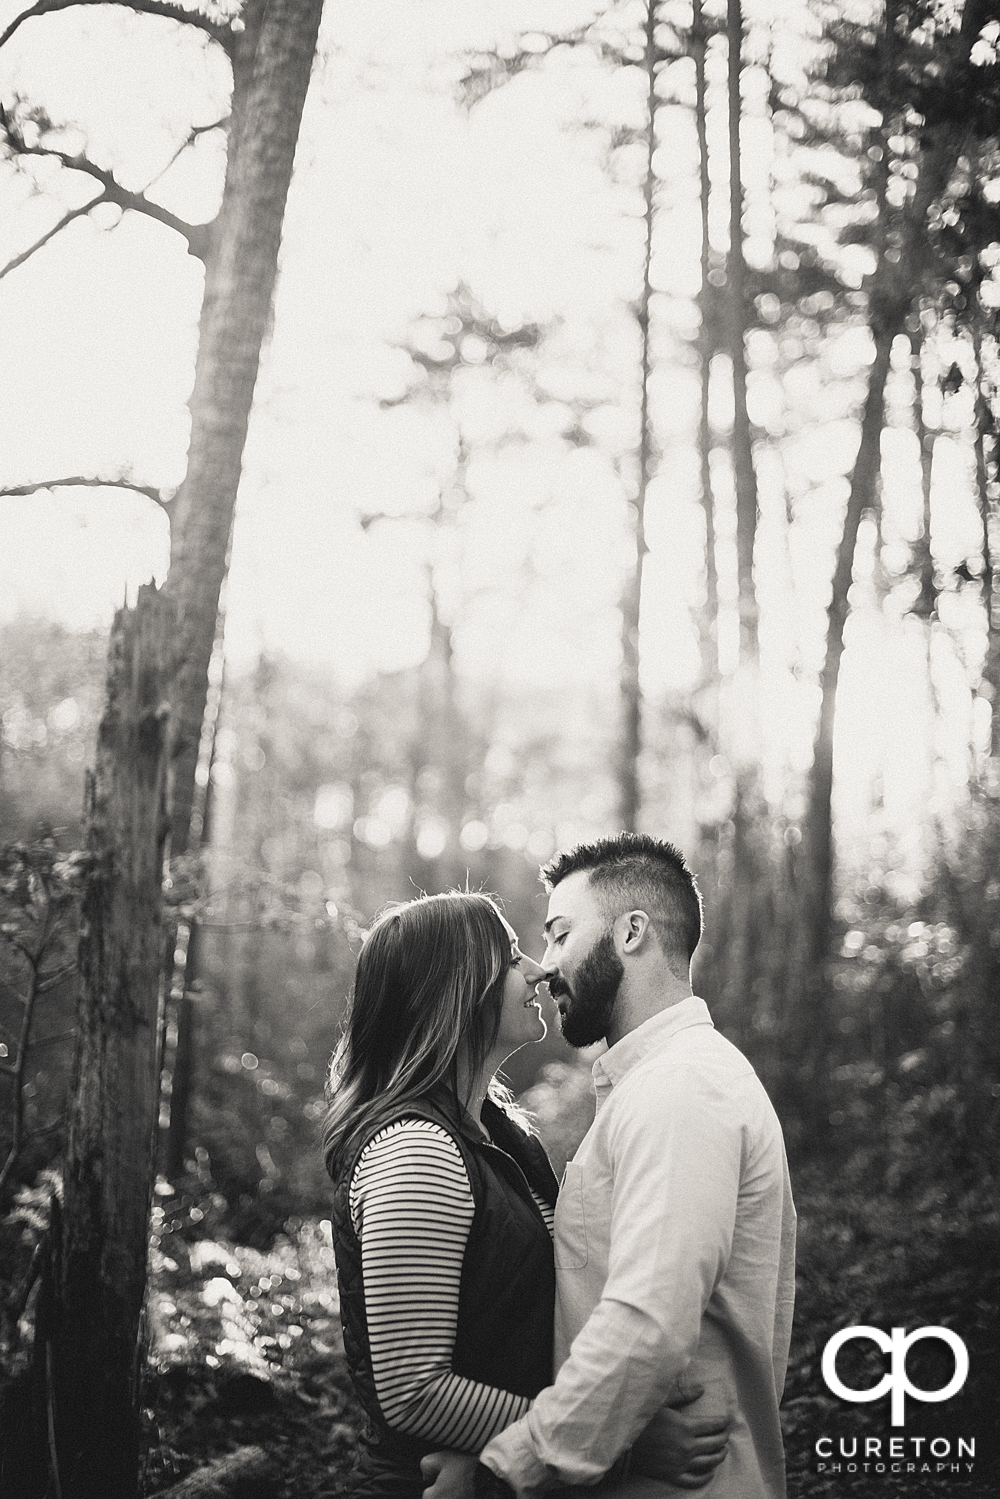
(675, 1229)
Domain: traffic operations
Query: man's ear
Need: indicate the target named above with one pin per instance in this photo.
(634, 931)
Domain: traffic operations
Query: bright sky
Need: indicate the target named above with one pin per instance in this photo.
(398, 194)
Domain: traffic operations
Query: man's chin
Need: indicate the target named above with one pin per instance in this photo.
(575, 1034)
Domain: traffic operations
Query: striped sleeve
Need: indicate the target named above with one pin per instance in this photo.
(412, 1208)
(547, 1211)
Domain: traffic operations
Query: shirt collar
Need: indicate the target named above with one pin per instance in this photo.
(651, 1036)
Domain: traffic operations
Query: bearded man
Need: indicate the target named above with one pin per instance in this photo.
(675, 1228)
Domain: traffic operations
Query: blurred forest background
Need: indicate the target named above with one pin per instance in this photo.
(624, 453)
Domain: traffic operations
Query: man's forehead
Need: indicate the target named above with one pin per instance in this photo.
(572, 899)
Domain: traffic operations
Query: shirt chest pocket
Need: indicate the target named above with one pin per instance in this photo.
(571, 1221)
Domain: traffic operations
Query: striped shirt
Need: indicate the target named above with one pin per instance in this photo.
(412, 1208)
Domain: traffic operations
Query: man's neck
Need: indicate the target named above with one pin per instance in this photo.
(643, 997)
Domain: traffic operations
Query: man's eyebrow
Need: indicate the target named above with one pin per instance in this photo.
(552, 921)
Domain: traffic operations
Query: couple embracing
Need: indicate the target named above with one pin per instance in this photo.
(623, 1334)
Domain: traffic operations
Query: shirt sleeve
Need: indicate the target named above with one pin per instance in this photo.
(675, 1156)
(412, 1208)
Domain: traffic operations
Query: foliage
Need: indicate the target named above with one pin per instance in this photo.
(892, 1260)
(916, 1073)
(39, 895)
(50, 685)
(246, 1347)
(22, 1233)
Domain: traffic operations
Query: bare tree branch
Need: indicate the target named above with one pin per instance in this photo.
(67, 218)
(54, 979)
(368, 518)
(196, 235)
(219, 31)
(489, 71)
(51, 1040)
(161, 497)
(189, 140)
(20, 1301)
(45, 1129)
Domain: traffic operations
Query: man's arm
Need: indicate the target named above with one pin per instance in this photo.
(675, 1147)
(682, 1450)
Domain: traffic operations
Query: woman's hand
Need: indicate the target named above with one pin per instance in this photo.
(449, 1475)
(686, 1446)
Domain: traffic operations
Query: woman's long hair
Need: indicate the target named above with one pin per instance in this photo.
(429, 982)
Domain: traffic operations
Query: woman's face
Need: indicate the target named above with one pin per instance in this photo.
(520, 1012)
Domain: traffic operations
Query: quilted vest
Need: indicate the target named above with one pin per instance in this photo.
(507, 1291)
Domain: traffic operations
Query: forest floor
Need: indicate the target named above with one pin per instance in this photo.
(246, 1350)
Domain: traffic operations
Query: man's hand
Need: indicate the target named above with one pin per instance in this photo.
(685, 1449)
(449, 1475)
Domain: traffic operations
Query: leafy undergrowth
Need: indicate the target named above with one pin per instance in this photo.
(245, 1348)
(867, 1259)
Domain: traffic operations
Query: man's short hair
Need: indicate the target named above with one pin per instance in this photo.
(634, 871)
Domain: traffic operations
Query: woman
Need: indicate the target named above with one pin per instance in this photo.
(443, 1200)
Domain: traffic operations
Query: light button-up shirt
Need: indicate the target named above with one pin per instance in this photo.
(674, 1244)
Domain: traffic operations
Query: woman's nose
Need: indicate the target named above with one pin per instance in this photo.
(533, 972)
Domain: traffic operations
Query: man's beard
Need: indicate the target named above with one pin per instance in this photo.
(588, 1011)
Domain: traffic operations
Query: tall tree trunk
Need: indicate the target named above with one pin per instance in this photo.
(925, 605)
(181, 1064)
(708, 632)
(990, 520)
(927, 601)
(749, 873)
(896, 282)
(444, 734)
(817, 845)
(178, 1069)
(271, 76)
(91, 1323)
(271, 72)
(630, 742)
(90, 1334)
(806, 1017)
(744, 474)
(181, 978)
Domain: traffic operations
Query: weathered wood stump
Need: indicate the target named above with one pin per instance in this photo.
(88, 1348)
